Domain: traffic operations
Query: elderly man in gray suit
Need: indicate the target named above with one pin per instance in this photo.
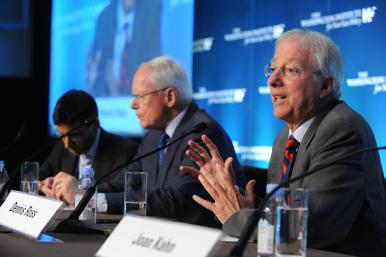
(347, 202)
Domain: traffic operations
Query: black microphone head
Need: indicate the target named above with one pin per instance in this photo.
(199, 127)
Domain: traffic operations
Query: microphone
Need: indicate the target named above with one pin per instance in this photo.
(85, 124)
(250, 227)
(72, 223)
(15, 139)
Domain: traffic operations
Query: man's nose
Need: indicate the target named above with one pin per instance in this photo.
(133, 104)
(65, 142)
(275, 79)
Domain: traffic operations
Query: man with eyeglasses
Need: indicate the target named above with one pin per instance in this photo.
(85, 146)
(347, 202)
(163, 102)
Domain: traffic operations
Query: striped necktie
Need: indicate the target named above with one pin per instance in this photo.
(289, 158)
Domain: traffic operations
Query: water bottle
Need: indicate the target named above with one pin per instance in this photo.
(85, 182)
(3, 176)
(266, 225)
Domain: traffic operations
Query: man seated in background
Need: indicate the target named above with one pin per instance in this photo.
(88, 146)
(347, 202)
(163, 103)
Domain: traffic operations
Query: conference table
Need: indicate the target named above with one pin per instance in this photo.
(86, 245)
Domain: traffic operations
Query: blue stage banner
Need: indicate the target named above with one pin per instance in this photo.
(233, 40)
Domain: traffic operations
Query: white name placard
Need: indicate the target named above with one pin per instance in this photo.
(27, 213)
(143, 237)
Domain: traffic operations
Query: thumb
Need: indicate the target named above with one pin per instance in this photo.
(249, 189)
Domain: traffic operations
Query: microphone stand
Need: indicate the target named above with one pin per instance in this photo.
(73, 225)
(12, 176)
(250, 227)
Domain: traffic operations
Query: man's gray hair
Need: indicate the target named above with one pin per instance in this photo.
(166, 72)
(326, 55)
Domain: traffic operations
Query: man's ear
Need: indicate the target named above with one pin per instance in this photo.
(171, 96)
(327, 87)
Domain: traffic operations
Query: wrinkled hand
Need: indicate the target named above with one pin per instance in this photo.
(217, 177)
(203, 160)
(64, 187)
(227, 199)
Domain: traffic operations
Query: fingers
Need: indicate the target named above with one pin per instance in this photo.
(206, 204)
(65, 193)
(224, 180)
(49, 181)
(48, 192)
(45, 186)
(190, 170)
(202, 153)
(195, 157)
(62, 178)
(228, 168)
(64, 187)
(212, 147)
(58, 192)
(249, 189)
(210, 184)
(198, 153)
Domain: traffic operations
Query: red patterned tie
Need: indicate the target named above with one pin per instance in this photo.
(123, 69)
(289, 158)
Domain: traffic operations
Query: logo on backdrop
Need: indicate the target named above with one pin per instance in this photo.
(176, 3)
(203, 45)
(355, 17)
(252, 153)
(224, 96)
(363, 80)
(78, 21)
(256, 35)
(264, 90)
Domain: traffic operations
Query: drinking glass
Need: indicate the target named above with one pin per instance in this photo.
(291, 224)
(29, 177)
(135, 193)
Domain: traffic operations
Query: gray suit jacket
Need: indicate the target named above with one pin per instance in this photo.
(347, 201)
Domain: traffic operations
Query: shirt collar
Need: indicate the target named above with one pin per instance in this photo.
(299, 133)
(171, 127)
(124, 18)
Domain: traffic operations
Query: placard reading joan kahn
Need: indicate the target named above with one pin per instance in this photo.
(27, 213)
(143, 236)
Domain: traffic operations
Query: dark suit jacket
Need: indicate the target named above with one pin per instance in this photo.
(112, 151)
(347, 202)
(145, 44)
(170, 191)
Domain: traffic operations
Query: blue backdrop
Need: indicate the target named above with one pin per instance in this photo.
(72, 33)
(235, 39)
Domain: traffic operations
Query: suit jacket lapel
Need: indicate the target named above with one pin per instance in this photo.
(102, 155)
(185, 125)
(277, 157)
(149, 164)
(301, 166)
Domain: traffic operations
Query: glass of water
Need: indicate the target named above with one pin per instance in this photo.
(291, 224)
(29, 177)
(135, 193)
